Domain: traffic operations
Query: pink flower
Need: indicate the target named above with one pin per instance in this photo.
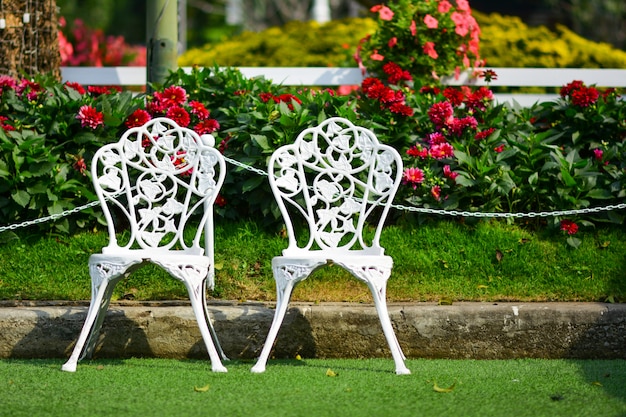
(413, 176)
(384, 12)
(449, 173)
(444, 6)
(90, 117)
(436, 138)
(413, 28)
(463, 5)
(392, 42)
(441, 151)
(431, 22)
(569, 226)
(462, 23)
(376, 56)
(598, 154)
(429, 49)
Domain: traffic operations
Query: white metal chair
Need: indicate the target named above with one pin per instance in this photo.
(336, 179)
(158, 180)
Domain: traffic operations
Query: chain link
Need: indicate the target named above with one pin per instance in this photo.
(452, 213)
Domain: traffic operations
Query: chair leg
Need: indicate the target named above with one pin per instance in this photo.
(196, 290)
(383, 314)
(103, 281)
(282, 301)
(216, 341)
(286, 277)
(376, 279)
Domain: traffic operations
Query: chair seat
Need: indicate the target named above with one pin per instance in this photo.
(141, 255)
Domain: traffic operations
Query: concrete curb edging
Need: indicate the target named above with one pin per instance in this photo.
(326, 330)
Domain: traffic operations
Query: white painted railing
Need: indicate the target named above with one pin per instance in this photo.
(322, 76)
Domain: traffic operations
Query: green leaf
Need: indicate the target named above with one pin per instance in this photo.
(21, 197)
(573, 242)
(251, 183)
(261, 141)
(568, 180)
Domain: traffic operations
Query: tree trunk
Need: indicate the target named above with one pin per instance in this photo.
(29, 42)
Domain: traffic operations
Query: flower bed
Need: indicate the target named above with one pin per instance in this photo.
(461, 151)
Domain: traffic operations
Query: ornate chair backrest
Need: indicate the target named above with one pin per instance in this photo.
(154, 182)
(338, 178)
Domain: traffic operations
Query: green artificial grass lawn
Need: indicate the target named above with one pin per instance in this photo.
(160, 387)
(435, 261)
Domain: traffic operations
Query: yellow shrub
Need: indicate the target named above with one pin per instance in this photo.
(506, 41)
(297, 44)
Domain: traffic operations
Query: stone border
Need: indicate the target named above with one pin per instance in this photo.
(326, 330)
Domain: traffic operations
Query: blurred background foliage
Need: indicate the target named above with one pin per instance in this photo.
(212, 21)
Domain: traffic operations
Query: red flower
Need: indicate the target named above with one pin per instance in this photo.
(400, 108)
(4, 126)
(98, 90)
(459, 125)
(138, 118)
(569, 226)
(412, 176)
(585, 96)
(76, 86)
(395, 73)
(598, 154)
(173, 96)
(89, 116)
(454, 95)
(199, 110)
(567, 89)
(220, 201)
(499, 149)
(479, 99)
(484, 134)
(206, 126)
(392, 42)
(265, 97)
(417, 152)
(179, 115)
(441, 113)
(80, 165)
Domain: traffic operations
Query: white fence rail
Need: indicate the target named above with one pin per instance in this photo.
(322, 76)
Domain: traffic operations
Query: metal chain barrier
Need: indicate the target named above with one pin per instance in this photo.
(452, 213)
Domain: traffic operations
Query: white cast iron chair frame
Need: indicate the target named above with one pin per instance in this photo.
(153, 179)
(335, 176)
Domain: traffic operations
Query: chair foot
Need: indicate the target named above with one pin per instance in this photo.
(219, 368)
(403, 371)
(69, 367)
(258, 368)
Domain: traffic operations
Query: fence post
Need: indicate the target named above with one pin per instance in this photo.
(162, 40)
